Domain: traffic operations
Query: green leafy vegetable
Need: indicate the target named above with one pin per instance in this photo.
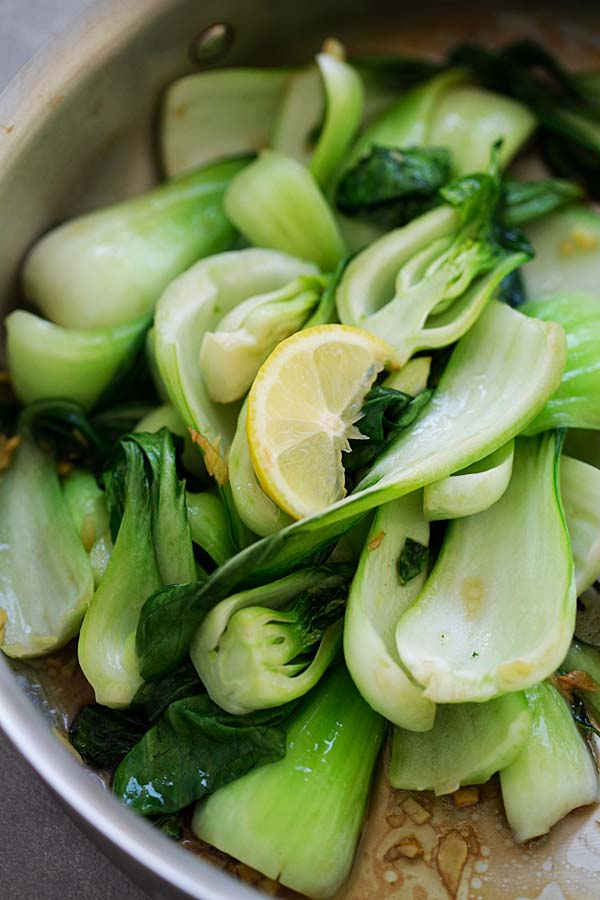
(471, 490)
(376, 601)
(193, 305)
(499, 375)
(104, 736)
(392, 186)
(309, 807)
(193, 750)
(412, 560)
(566, 245)
(218, 114)
(580, 492)
(209, 526)
(46, 581)
(271, 644)
(385, 414)
(445, 111)
(503, 581)
(232, 353)
(468, 743)
(576, 403)
(525, 201)
(148, 519)
(50, 362)
(425, 284)
(553, 774)
(277, 203)
(111, 266)
(569, 116)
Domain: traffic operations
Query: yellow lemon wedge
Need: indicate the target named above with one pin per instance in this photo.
(302, 410)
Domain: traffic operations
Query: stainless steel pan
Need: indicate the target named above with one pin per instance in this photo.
(76, 130)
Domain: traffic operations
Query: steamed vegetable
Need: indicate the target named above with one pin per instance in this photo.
(424, 285)
(383, 588)
(193, 305)
(111, 266)
(46, 581)
(308, 808)
(327, 99)
(576, 403)
(255, 507)
(566, 245)
(468, 743)
(553, 774)
(498, 611)
(277, 203)
(209, 526)
(166, 416)
(568, 114)
(498, 377)
(447, 111)
(216, 114)
(232, 353)
(580, 492)
(194, 749)
(49, 362)
(87, 505)
(472, 490)
(148, 519)
(269, 645)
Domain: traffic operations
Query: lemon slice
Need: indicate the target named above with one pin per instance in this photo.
(302, 410)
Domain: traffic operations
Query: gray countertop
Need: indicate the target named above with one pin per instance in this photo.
(43, 855)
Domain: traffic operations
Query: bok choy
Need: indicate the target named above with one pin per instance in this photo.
(308, 808)
(270, 645)
(488, 623)
(111, 266)
(46, 582)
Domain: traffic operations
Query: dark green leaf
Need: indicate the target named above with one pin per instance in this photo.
(392, 186)
(153, 698)
(171, 825)
(65, 429)
(580, 715)
(385, 413)
(195, 749)
(525, 201)
(569, 114)
(395, 72)
(412, 560)
(512, 290)
(104, 736)
(476, 196)
(318, 608)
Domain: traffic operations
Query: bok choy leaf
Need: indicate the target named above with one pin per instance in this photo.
(277, 203)
(111, 266)
(269, 645)
(232, 353)
(148, 519)
(576, 403)
(378, 597)
(218, 114)
(469, 742)
(194, 749)
(425, 284)
(49, 362)
(195, 304)
(498, 611)
(567, 245)
(553, 774)
(580, 492)
(498, 377)
(46, 581)
(308, 808)
(472, 490)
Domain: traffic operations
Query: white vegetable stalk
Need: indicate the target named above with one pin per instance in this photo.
(498, 611)
(231, 355)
